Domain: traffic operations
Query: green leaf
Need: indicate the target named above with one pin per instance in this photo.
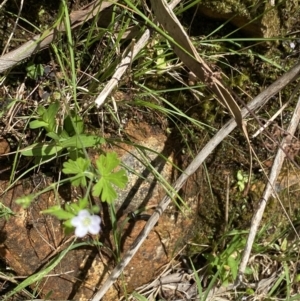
(161, 59)
(79, 168)
(68, 228)
(95, 209)
(68, 224)
(35, 124)
(83, 203)
(75, 153)
(64, 135)
(240, 175)
(80, 141)
(58, 212)
(284, 244)
(50, 117)
(53, 135)
(51, 112)
(41, 110)
(241, 186)
(25, 201)
(248, 271)
(78, 123)
(41, 149)
(75, 167)
(78, 180)
(232, 263)
(34, 70)
(118, 178)
(105, 189)
(47, 119)
(71, 209)
(74, 208)
(106, 165)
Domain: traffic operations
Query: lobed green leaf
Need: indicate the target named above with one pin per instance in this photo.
(104, 188)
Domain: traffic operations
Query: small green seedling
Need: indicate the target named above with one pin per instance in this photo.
(242, 180)
(34, 70)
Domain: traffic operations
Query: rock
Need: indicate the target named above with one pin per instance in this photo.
(30, 239)
(260, 20)
(4, 146)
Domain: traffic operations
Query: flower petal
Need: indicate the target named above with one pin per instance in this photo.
(81, 231)
(83, 213)
(76, 221)
(95, 219)
(84, 222)
(94, 229)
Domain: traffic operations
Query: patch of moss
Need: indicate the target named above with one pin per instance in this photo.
(240, 7)
(273, 20)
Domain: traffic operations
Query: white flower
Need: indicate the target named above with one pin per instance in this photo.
(86, 223)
